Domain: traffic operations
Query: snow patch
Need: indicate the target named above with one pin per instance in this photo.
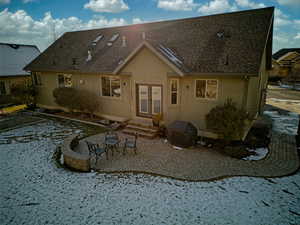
(260, 153)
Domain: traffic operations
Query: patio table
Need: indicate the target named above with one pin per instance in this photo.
(112, 145)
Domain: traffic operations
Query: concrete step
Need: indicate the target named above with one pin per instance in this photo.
(140, 133)
(142, 128)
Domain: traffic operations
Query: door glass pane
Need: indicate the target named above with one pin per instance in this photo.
(143, 98)
(156, 100)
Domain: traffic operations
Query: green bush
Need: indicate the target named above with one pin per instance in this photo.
(227, 120)
(75, 99)
(23, 93)
(67, 97)
(88, 101)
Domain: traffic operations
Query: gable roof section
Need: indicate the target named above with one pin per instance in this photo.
(284, 51)
(13, 57)
(167, 60)
(223, 43)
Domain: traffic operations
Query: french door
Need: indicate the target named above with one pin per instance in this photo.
(149, 100)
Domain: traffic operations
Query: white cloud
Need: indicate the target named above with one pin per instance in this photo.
(280, 19)
(108, 6)
(177, 5)
(249, 4)
(217, 6)
(4, 1)
(19, 27)
(289, 2)
(297, 36)
(137, 21)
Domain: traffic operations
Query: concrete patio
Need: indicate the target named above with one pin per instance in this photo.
(196, 164)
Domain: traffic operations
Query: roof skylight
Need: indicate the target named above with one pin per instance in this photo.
(98, 38)
(112, 39)
(170, 55)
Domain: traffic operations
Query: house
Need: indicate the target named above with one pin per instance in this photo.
(178, 68)
(286, 65)
(13, 57)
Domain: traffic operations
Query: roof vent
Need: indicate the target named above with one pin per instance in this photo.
(220, 34)
(74, 61)
(144, 36)
(89, 57)
(14, 46)
(123, 41)
(98, 38)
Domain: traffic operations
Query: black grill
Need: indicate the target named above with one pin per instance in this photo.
(182, 134)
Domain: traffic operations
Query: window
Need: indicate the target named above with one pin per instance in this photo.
(37, 79)
(206, 89)
(2, 88)
(174, 91)
(111, 87)
(64, 80)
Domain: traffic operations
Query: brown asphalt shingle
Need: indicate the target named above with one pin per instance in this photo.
(194, 41)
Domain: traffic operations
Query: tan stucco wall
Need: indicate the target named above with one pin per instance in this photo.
(148, 68)
(91, 82)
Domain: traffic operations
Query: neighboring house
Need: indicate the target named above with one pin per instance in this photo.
(286, 64)
(179, 68)
(13, 57)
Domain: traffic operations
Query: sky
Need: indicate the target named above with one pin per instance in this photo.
(40, 22)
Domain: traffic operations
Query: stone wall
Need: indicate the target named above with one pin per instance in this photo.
(72, 159)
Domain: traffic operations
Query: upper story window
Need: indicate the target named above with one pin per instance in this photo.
(206, 89)
(174, 91)
(111, 87)
(37, 78)
(64, 80)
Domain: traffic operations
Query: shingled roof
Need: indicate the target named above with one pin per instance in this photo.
(224, 43)
(284, 51)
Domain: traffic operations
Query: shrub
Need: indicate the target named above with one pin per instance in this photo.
(74, 99)
(88, 101)
(67, 97)
(227, 120)
(23, 93)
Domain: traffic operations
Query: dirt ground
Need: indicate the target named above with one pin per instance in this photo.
(283, 98)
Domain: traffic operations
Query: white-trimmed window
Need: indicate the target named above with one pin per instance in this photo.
(206, 88)
(111, 87)
(174, 86)
(64, 80)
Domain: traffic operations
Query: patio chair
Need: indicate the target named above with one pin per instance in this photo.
(95, 149)
(130, 144)
(111, 141)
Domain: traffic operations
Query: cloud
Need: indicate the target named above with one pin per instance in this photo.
(249, 4)
(289, 2)
(297, 36)
(217, 6)
(28, 1)
(19, 27)
(280, 19)
(137, 21)
(177, 5)
(108, 6)
(4, 1)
